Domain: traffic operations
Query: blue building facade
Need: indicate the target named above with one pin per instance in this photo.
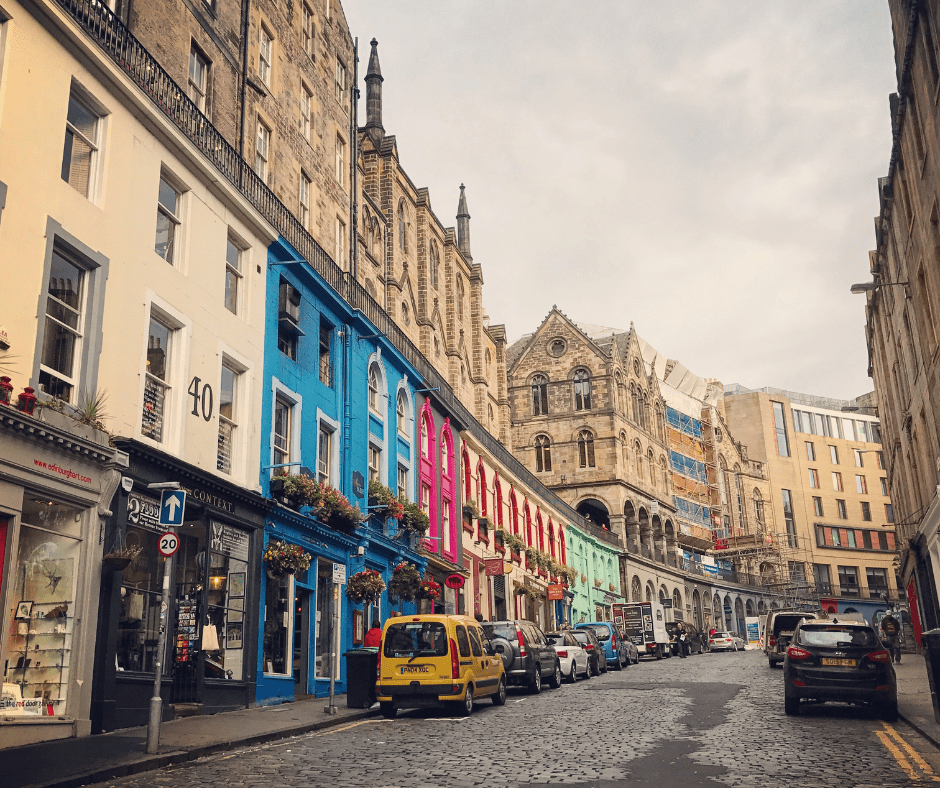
(339, 408)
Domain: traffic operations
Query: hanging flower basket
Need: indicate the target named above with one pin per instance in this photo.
(405, 583)
(296, 490)
(365, 586)
(382, 496)
(429, 589)
(283, 558)
(612, 588)
(413, 520)
(513, 542)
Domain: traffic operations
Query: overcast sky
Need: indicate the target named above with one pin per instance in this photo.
(705, 169)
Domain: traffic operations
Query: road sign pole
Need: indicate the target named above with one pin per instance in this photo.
(156, 702)
(334, 656)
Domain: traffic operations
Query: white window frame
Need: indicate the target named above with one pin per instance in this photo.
(235, 271)
(340, 161)
(305, 184)
(178, 355)
(263, 135)
(306, 27)
(341, 81)
(296, 402)
(78, 332)
(325, 423)
(199, 93)
(265, 54)
(175, 218)
(90, 104)
(374, 463)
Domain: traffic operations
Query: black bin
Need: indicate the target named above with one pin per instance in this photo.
(360, 677)
(931, 640)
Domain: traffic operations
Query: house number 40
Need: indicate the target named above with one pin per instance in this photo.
(202, 398)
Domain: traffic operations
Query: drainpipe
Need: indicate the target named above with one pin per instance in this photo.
(347, 405)
(246, 10)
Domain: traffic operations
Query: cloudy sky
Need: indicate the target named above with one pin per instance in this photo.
(704, 169)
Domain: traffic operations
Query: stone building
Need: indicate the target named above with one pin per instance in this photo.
(903, 302)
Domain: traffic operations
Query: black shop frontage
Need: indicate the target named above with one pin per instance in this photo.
(211, 656)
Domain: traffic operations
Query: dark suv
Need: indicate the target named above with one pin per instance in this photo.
(527, 656)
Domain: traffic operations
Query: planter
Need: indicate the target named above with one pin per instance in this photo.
(468, 526)
(499, 548)
(515, 557)
(116, 562)
(543, 573)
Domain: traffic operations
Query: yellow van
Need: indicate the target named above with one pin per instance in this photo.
(429, 660)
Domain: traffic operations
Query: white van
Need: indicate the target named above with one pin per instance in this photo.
(778, 631)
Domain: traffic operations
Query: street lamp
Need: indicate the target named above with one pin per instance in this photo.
(866, 287)
(857, 408)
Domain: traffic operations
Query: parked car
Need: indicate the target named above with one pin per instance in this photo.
(574, 659)
(611, 641)
(726, 641)
(778, 630)
(695, 639)
(528, 657)
(839, 661)
(593, 647)
(437, 661)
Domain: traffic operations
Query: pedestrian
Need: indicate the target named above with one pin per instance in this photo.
(891, 636)
(373, 638)
(683, 643)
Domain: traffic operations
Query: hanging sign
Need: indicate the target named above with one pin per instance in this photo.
(455, 581)
(494, 566)
(556, 591)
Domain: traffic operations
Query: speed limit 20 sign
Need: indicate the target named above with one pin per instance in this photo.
(168, 544)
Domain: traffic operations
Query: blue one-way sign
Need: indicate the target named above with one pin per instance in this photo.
(172, 506)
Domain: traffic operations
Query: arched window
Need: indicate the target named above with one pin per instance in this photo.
(497, 499)
(635, 403)
(424, 441)
(513, 512)
(638, 456)
(676, 600)
(664, 473)
(481, 487)
(652, 464)
(541, 530)
(586, 449)
(649, 592)
(551, 538)
(401, 409)
(434, 265)
(374, 387)
(582, 390)
(622, 404)
(402, 244)
(459, 296)
(758, 506)
(465, 459)
(448, 519)
(527, 515)
(428, 471)
(646, 412)
(543, 454)
(539, 395)
(564, 547)
(625, 450)
(660, 424)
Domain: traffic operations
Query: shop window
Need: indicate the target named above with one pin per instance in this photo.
(324, 637)
(39, 644)
(278, 608)
(228, 576)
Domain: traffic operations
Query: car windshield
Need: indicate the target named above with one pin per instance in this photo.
(835, 635)
(414, 638)
(507, 631)
(555, 638)
(602, 632)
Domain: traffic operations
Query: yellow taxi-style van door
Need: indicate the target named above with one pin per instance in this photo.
(490, 681)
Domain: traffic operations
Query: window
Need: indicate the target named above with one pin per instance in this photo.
(288, 323)
(814, 478)
(834, 455)
(340, 83)
(168, 222)
(340, 161)
(305, 200)
(788, 518)
(817, 506)
(848, 579)
(843, 514)
(539, 395)
(821, 577)
(283, 416)
(326, 341)
(585, 449)
(264, 55)
(375, 463)
(233, 273)
(866, 511)
(889, 513)
(402, 235)
(340, 243)
(426, 499)
(861, 486)
(374, 388)
(156, 382)
(884, 486)
(859, 459)
(434, 265)
(810, 451)
(305, 102)
(198, 77)
(81, 145)
(780, 424)
(543, 454)
(228, 390)
(262, 150)
(324, 455)
(837, 481)
(306, 24)
(877, 580)
(401, 411)
(402, 481)
(62, 339)
(881, 460)
(582, 391)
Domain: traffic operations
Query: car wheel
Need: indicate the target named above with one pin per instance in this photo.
(499, 698)
(659, 653)
(535, 686)
(573, 677)
(555, 681)
(388, 710)
(791, 706)
(465, 707)
(618, 665)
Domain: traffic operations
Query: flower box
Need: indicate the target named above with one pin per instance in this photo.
(468, 526)
(543, 573)
(515, 557)
(499, 548)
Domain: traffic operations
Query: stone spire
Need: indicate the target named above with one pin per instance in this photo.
(374, 82)
(463, 226)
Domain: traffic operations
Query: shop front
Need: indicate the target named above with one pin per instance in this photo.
(209, 665)
(56, 479)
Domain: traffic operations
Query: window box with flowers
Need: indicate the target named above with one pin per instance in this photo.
(283, 558)
(531, 559)
(413, 519)
(405, 582)
(337, 512)
(499, 544)
(470, 510)
(295, 491)
(429, 589)
(365, 586)
(383, 503)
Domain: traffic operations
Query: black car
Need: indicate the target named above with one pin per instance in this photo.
(596, 654)
(694, 640)
(839, 661)
(527, 656)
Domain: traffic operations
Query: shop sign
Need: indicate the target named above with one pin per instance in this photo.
(556, 591)
(359, 485)
(455, 581)
(213, 500)
(144, 512)
(229, 541)
(609, 599)
(494, 566)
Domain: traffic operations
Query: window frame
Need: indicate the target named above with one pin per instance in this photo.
(173, 217)
(201, 97)
(306, 111)
(265, 58)
(307, 31)
(229, 422)
(304, 199)
(543, 454)
(262, 149)
(233, 272)
(86, 101)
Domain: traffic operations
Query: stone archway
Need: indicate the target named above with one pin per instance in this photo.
(636, 590)
(650, 591)
(659, 540)
(646, 536)
(595, 511)
(739, 617)
(749, 608)
(697, 609)
(761, 608)
(632, 527)
(718, 613)
(672, 547)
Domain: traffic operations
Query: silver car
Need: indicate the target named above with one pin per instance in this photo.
(573, 658)
(726, 641)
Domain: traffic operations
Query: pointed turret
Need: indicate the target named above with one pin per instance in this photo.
(463, 226)
(374, 82)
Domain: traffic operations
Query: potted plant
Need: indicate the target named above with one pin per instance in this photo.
(470, 510)
(531, 557)
(405, 582)
(297, 490)
(513, 542)
(612, 588)
(283, 558)
(120, 557)
(598, 582)
(413, 520)
(499, 541)
(365, 586)
(429, 589)
(337, 512)
(383, 501)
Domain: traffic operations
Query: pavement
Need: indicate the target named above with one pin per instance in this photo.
(67, 763)
(914, 703)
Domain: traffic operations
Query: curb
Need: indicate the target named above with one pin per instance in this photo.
(177, 757)
(932, 738)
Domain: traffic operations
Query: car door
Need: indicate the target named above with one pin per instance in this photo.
(546, 652)
(464, 652)
(484, 671)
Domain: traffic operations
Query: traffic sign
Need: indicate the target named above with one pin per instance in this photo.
(339, 573)
(168, 544)
(172, 506)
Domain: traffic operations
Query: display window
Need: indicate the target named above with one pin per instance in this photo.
(42, 610)
(228, 573)
(278, 597)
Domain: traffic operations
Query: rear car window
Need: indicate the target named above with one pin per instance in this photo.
(428, 638)
(603, 633)
(555, 638)
(835, 635)
(507, 631)
(462, 643)
(786, 623)
(724, 635)
(582, 637)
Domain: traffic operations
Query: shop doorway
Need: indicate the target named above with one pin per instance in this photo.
(324, 619)
(302, 599)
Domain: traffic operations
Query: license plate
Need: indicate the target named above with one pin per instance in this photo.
(841, 663)
(412, 669)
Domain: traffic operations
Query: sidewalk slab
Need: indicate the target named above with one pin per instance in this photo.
(914, 704)
(68, 763)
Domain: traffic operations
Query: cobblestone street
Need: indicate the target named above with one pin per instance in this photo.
(714, 719)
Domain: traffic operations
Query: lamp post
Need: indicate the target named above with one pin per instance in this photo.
(867, 287)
